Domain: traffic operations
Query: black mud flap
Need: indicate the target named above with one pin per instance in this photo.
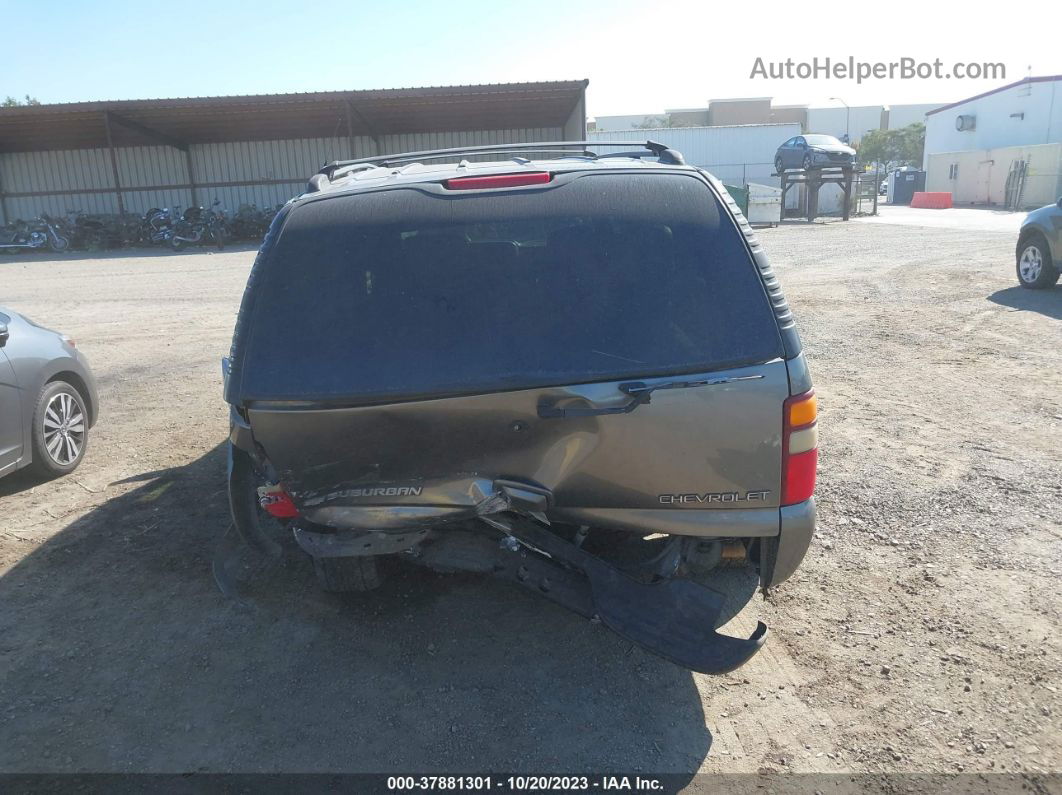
(674, 619)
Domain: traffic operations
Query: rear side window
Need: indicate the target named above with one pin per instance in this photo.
(412, 293)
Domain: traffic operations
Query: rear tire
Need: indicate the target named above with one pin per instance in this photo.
(808, 164)
(1034, 267)
(342, 575)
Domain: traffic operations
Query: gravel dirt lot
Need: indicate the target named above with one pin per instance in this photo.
(921, 633)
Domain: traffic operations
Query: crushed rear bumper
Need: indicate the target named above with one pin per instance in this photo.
(674, 618)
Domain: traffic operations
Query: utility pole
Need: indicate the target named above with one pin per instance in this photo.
(847, 120)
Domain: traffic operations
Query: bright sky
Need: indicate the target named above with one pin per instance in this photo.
(640, 57)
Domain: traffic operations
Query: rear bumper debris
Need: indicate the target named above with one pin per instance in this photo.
(672, 618)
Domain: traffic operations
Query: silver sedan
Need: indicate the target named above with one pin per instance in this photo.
(48, 399)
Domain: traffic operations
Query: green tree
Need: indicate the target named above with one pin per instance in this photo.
(894, 148)
(11, 102)
(655, 122)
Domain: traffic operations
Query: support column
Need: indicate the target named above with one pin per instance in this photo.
(785, 190)
(114, 162)
(847, 187)
(574, 128)
(354, 113)
(350, 131)
(4, 217)
(813, 183)
(191, 175)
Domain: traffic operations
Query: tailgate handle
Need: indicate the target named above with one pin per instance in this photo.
(640, 393)
(637, 398)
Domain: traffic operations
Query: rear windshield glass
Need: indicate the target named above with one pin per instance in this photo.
(408, 292)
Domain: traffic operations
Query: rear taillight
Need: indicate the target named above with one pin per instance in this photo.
(800, 448)
(277, 502)
(499, 181)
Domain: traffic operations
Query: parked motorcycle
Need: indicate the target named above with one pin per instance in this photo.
(157, 226)
(198, 225)
(83, 231)
(41, 232)
(127, 229)
(249, 223)
(94, 232)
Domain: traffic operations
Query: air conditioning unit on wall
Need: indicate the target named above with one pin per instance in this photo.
(964, 123)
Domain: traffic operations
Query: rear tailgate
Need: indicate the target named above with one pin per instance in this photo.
(689, 451)
(404, 343)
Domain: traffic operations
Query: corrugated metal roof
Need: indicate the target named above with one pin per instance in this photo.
(374, 112)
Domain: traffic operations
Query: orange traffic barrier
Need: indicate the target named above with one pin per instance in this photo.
(932, 200)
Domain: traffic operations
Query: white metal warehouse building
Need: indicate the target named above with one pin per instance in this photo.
(128, 156)
(737, 154)
(1001, 148)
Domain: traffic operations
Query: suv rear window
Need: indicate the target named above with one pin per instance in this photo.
(414, 292)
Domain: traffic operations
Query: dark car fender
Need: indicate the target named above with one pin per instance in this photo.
(1052, 236)
(1046, 221)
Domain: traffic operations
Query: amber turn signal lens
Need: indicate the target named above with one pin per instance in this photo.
(803, 412)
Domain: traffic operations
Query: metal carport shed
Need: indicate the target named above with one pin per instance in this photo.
(131, 155)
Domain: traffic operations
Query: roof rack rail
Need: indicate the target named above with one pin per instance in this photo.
(577, 148)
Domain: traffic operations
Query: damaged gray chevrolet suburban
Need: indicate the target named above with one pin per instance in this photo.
(576, 373)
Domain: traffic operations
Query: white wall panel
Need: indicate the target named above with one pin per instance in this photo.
(1023, 115)
(903, 115)
(856, 121)
(243, 161)
(141, 166)
(157, 176)
(30, 207)
(23, 172)
(735, 154)
(979, 176)
(417, 142)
